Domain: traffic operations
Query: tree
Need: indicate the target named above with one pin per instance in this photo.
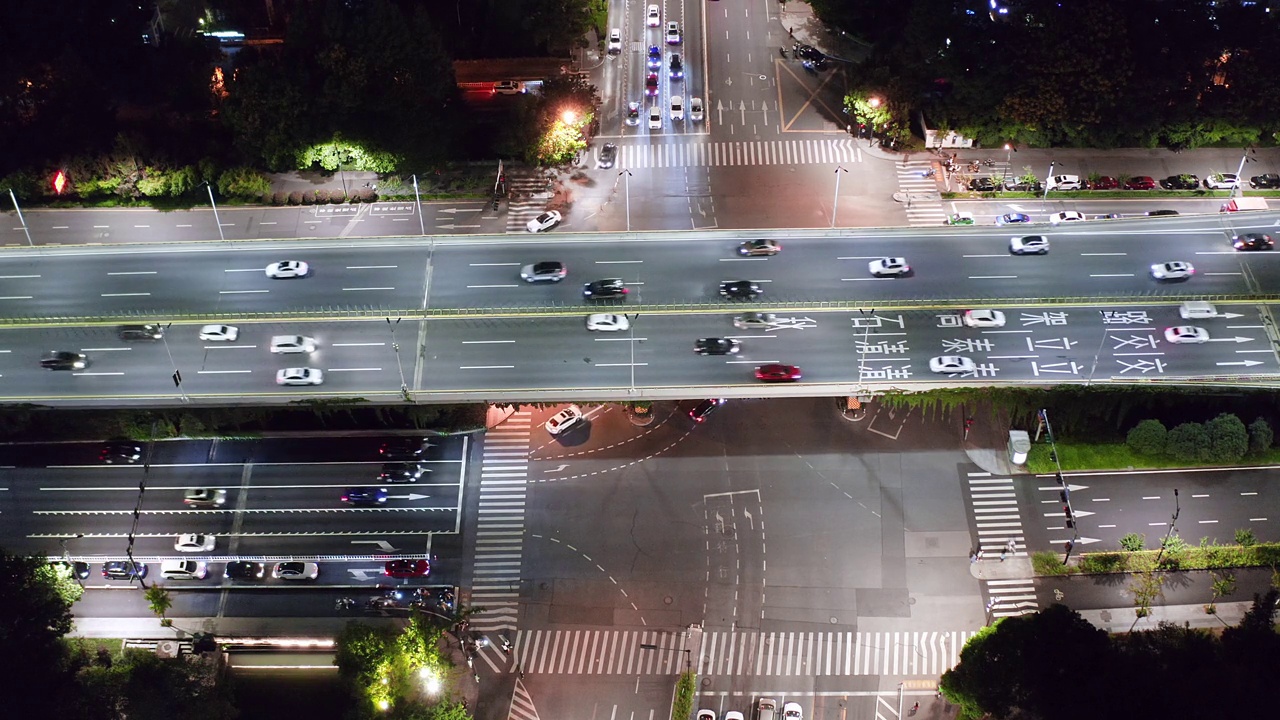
(35, 612)
(1189, 442)
(1228, 438)
(1260, 436)
(159, 599)
(1147, 438)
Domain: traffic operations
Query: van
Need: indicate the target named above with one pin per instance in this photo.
(1197, 310)
(183, 570)
(766, 708)
(508, 87)
(1065, 182)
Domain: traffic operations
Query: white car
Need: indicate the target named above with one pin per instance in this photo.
(615, 41)
(607, 322)
(695, 109)
(296, 571)
(677, 107)
(1176, 270)
(508, 87)
(792, 711)
(292, 344)
(1186, 335)
(545, 221)
(1029, 245)
(205, 497)
(673, 33)
(565, 419)
(1065, 216)
(655, 118)
(948, 364)
(300, 376)
(287, 269)
(194, 542)
(219, 333)
(655, 16)
(733, 715)
(184, 570)
(1064, 182)
(983, 318)
(1222, 181)
(889, 267)
(633, 113)
(705, 714)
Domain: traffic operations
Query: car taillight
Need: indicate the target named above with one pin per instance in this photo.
(625, 291)
(345, 499)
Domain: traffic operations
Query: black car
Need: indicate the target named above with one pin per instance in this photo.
(409, 448)
(677, 68)
(364, 496)
(401, 472)
(808, 52)
(705, 408)
(64, 360)
(244, 570)
(1180, 182)
(147, 333)
(122, 451)
(608, 155)
(984, 184)
(739, 289)
(123, 570)
(1253, 241)
(1162, 213)
(1269, 180)
(79, 570)
(1023, 186)
(716, 346)
(604, 289)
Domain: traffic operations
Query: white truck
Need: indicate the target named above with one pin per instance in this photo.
(1244, 203)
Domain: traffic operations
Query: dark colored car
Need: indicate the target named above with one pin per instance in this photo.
(123, 570)
(808, 52)
(1022, 186)
(410, 448)
(1269, 180)
(705, 408)
(146, 333)
(1106, 182)
(122, 451)
(739, 289)
(1142, 182)
(604, 289)
(608, 155)
(676, 67)
(64, 360)
(1252, 241)
(364, 496)
(1162, 213)
(401, 472)
(1180, 182)
(79, 570)
(651, 83)
(244, 570)
(984, 184)
(407, 568)
(655, 57)
(776, 372)
(716, 346)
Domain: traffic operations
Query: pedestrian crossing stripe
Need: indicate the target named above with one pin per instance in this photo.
(734, 654)
(522, 707)
(743, 153)
(499, 541)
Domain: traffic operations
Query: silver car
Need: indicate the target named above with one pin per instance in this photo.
(755, 321)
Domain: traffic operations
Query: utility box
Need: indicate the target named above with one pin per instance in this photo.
(1019, 446)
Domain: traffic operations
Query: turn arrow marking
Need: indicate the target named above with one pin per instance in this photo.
(382, 544)
(363, 573)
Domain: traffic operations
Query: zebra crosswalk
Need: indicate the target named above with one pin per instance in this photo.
(999, 524)
(923, 203)
(522, 707)
(702, 153)
(499, 542)
(726, 653)
(528, 198)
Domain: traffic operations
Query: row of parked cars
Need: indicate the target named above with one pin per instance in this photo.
(1185, 181)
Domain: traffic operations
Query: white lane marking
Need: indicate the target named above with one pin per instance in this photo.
(84, 374)
(222, 372)
(17, 277)
(230, 347)
(241, 292)
(1011, 357)
(125, 294)
(1222, 273)
(369, 344)
(372, 267)
(993, 277)
(861, 279)
(487, 342)
(621, 364)
(869, 257)
(618, 262)
(259, 270)
(1216, 252)
(1103, 254)
(495, 264)
(15, 297)
(103, 349)
(620, 339)
(634, 283)
(368, 288)
(365, 369)
(982, 256)
(759, 337)
(744, 259)
(749, 362)
(135, 272)
(485, 367)
(261, 222)
(491, 286)
(1116, 275)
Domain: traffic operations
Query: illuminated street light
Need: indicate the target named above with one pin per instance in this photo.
(874, 101)
(569, 116)
(430, 682)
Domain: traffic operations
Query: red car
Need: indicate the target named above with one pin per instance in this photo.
(651, 83)
(775, 372)
(1106, 182)
(1142, 182)
(407, 568)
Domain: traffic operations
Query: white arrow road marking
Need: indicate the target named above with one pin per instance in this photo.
(1236, 339)
(382, 544)
(363, 573)
(410, 496)
(1080, 541)
(1072, 488)
(563, 466)
(1241, 363)
(1078, 513)
(1230, 315)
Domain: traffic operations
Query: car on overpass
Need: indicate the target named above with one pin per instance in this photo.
(219, 333)
(755, 321)
(951, 364)
(1029, 245)
(716, 346)
(1175, 270)
(607, 322)
(983, 318)
(64, 360)
(777, 372)
(740, 289)
(145, 333)
(889, 267)
(1252, 241)
(287, 270)
(300, 376)
(292, 345)
(605, 289)
(1186, 335)
(546, 271)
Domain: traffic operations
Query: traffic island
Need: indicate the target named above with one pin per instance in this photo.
(640, 413)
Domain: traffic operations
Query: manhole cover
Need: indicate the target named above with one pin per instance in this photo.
(667, 600)
(832, 620)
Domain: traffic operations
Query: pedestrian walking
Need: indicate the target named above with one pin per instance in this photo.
(981, 553)
(915, 708)
(1011, 547)
(1004, 551)
(973, 556)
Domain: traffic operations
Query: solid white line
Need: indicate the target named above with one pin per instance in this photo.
(495, 264)
(353, 369)
(222, 372)
(230, 347)
(639, 339)
(372, 267)
(240, 292)
(125, 294)
(478, 287)
(618, 262)
(1212, 273)
(982, 256)
(1103, 254)
(83, 374)
(869, 257)
(17, 277)
(744, 259)
(1011, 357)
(621, 364)
(368, 288)
(15, 297)
(261, 270)
(487, 342)
(356, 344)
(485, 367)
(1118, 275)
(103, 349)
(861, 279)
(993, 277)
(139, 272)
(749, 362)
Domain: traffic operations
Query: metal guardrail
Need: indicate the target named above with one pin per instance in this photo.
(342, 313)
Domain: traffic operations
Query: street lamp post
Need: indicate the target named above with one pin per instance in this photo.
(422, 224)
(177, 374)
(1048, 181)
(627, 192)
(21, 219)
(631, 331)
(216, 221)
(835, 204)
(395, 347)
(1239, 185)
(1008, 161)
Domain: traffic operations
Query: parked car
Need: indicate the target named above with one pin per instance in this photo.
(1141, 182)
(74, 568)
(983, 184)
(960, 218)
(1222, 181)
(1016, 185)
(1013, 218)
(1266, 181)
(1104, 182)
(123, 569)
(1065, 183)
(508, 87)
(1161, 213)
(1180, 182)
